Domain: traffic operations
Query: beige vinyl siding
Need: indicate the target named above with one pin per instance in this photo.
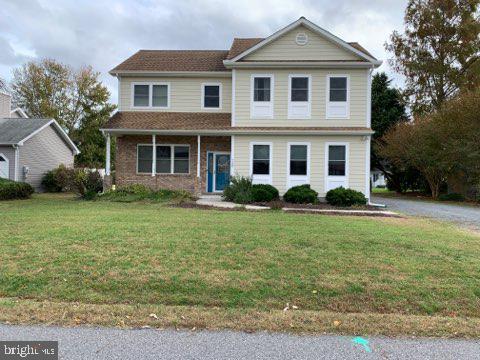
(9, 153)
(279, 166)
(317, 48)
(44, 151)
(185, 93)
(358, 98)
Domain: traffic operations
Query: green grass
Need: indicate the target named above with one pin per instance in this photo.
(55, 248)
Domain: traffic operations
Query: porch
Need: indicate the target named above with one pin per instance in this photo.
(199, 164)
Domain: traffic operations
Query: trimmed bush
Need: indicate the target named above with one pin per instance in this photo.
(137, 192)
(345, 197)
(87, 183)
(451, 197)
(10, 190)
(239, 190)
(302, 194)
(264, 193)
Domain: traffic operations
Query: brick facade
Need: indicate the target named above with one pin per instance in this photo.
(126, 162)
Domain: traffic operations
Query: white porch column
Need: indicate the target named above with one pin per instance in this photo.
(107, 156)
(232, 155)
(154, 154)
(198, 155)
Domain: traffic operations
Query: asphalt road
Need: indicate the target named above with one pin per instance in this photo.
(96, 343)
(466, 216)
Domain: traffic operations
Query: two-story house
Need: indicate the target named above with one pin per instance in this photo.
(289, 109)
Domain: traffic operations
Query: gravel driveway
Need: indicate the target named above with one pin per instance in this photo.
(467, 216)
(94, 343)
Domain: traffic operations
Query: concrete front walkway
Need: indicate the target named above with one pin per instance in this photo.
(217, 201)
(102, 343)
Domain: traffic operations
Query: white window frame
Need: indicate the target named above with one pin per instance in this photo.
(344, 178)
(172, 164)
(261, 179)
(330, 104)
(294, 180)
(7, 160)
(306, 105)
(150, 95)
(268, 105)
(202, 103)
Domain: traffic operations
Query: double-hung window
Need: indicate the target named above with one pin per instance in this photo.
(261, 167)
(299, 98)
(338, 97)
(262, 96)
(170, 159)
(298, 165)
(154, 95)
(211, 96)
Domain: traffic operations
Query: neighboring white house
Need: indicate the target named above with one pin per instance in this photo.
(30, 147)
(377, 178)
(289, 109)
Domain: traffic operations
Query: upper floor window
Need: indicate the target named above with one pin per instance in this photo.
(338, 97)
(262, 96)
(211, 96)
(155, 95)
(299, 104)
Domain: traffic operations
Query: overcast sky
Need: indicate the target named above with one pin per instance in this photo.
(103, 33)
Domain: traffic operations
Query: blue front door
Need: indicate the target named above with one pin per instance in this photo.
(218, 171)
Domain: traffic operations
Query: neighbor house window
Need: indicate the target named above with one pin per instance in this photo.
(211, 96)
(299, 97)
(150, 95)
(171, 159)
(261, 160)
(337, 160)
(298, 159)
(262, 96)
(337, 96)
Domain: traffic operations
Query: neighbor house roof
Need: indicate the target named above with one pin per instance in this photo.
(174, 60)
(198, 123)
(15, 131)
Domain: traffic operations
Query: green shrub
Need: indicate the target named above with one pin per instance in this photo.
(345, 197)
(451, 197)
(10, 190)
(264, 193)
(239, 190)
(302, 194)
(50, 183)
(86, 183)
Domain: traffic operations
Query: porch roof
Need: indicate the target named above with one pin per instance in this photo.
(197, 123)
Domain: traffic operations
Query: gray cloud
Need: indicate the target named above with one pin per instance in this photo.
(103, 33)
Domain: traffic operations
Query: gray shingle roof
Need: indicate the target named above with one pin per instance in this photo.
(14, 130)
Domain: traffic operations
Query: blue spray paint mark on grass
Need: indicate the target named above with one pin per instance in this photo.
(361, 341)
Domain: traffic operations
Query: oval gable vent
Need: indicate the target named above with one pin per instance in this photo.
(301, 39)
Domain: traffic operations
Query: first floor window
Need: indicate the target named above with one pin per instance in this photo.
(211, 96)
(171, 159)
(145, 158)
(261, 159)
(181, 160)
(298, 159)
(141, 95)
(336, 160)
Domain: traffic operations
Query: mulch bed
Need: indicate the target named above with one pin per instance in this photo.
(324, 206)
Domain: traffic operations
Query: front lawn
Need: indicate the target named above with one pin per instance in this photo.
(58, 249)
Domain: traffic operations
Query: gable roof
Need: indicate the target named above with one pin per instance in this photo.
(354, 48)
(19, 112)
(239, 45)
(173, 60)
(15, 131)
